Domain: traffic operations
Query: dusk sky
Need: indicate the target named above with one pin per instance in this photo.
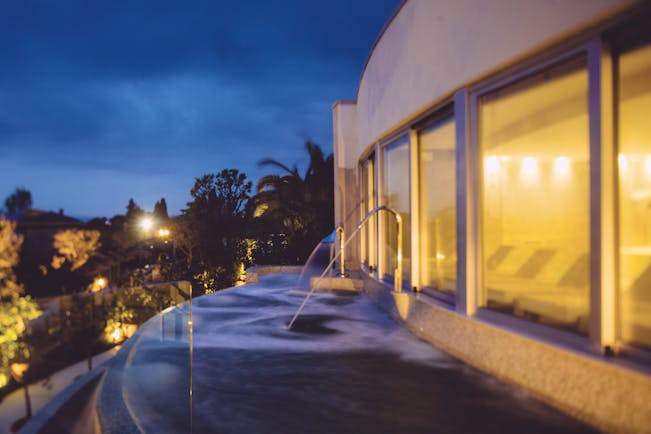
(103, 101)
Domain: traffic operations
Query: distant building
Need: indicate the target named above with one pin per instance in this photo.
(38, 228)
(513, 138)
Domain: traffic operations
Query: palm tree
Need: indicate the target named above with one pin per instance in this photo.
(301, 206)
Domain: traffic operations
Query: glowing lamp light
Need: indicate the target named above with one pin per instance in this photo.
(647, 166)
(492, 165)
(529, 167)
(163, 232)
(562, 167)
(116, 335)
(18, 370)
(146, 223)
(98, 284)
(622, 161)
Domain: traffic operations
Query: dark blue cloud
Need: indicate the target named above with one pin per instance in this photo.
(136, 98)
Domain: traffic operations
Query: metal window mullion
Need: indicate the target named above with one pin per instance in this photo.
(602, 197)
(379, 176)
(414, 208)
(363, 181)
(466, 299)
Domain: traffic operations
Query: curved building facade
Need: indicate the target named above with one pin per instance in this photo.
(512, 137)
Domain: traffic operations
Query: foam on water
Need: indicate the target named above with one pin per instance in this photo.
(254, 318)
(344, 367)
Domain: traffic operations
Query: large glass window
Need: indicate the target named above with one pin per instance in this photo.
(534, 193)
(438, 236)
(634, 139)
(395, 194)
(369, 231)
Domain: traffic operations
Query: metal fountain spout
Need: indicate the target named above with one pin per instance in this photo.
(342, 245)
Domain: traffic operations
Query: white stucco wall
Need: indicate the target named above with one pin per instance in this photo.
(432, 47)
(346, 182)
(344, 121)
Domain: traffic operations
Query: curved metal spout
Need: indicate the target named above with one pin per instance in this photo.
(342, 245)
(397, 276)
(342, 256)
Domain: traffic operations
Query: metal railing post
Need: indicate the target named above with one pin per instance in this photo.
(397, 276)
(342, 255)
(397, 284)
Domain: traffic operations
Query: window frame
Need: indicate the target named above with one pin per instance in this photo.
(623, 39)
(600, 319)
(444, 114)
(371, 245)
(381, 148)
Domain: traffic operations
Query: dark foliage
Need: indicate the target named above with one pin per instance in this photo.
(215, 225)
(18, 202)
(292, 213)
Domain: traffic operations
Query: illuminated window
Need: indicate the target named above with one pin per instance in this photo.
(395, 194)
(369, 230)
(534, 147)
(438, 240)
(634, 162)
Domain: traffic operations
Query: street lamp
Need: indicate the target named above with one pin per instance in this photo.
(18, 371)
(98, 284)
(146, 223)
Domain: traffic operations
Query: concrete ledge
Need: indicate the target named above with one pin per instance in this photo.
(112, 413)
(337, 283)
(72, 410)
(253, 273)
(603, 394)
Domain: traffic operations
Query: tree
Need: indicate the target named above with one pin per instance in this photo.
(76, 246)
(301, 206)
(216, 216)
(15, 311)
(132, 230)
(18, 202)
(133, 210)
(160, 211)
(185, 237)
(10, 244)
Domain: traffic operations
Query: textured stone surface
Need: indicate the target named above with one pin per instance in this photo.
(600, 392)
(337, 283)
(253, 274)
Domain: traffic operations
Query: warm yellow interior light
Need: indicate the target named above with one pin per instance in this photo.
(529, 167)
(647, 167)
(492, 165)
(622, 161)
(562, 167)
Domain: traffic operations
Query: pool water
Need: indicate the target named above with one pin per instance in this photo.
(345, 367)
